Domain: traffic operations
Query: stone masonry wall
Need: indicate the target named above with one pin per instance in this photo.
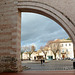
(9, 50)
(10, 28)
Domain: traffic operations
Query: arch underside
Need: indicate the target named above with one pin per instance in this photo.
(50, 12)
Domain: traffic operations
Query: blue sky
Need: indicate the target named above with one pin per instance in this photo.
(38, 30)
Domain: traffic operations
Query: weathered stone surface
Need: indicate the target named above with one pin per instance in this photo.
(61, 11)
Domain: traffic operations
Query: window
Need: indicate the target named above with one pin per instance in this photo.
(66, 50)
(69, 44)
(62, 51)
(65, 44)
(62, 45)
(67, 55)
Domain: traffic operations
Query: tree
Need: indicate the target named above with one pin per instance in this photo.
(22, 51)
(69, 38)
(44, 50)
(29, 50)
(32, 48)
(54, 46)
(38, 52)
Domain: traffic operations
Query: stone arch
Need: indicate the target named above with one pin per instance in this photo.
(11, 22)
(48, 11)
(51, 12)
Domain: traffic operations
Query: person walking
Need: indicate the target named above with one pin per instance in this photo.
(41, 61)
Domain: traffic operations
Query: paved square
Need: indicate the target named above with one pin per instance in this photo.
(48, 65)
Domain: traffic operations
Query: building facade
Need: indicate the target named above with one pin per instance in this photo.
(65, 51)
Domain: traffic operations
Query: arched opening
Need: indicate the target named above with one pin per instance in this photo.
(48, 11)
(50, 57)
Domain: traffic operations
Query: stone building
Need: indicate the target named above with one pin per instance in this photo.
(65, 49)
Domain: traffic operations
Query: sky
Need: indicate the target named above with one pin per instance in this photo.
(37, 30)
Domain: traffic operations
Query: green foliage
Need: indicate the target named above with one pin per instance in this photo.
(68, 39)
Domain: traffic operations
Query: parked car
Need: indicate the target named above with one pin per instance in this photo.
(66, 58)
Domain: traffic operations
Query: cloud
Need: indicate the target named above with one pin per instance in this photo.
(39, 30)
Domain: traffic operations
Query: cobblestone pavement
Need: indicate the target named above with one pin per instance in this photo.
(48, 65)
